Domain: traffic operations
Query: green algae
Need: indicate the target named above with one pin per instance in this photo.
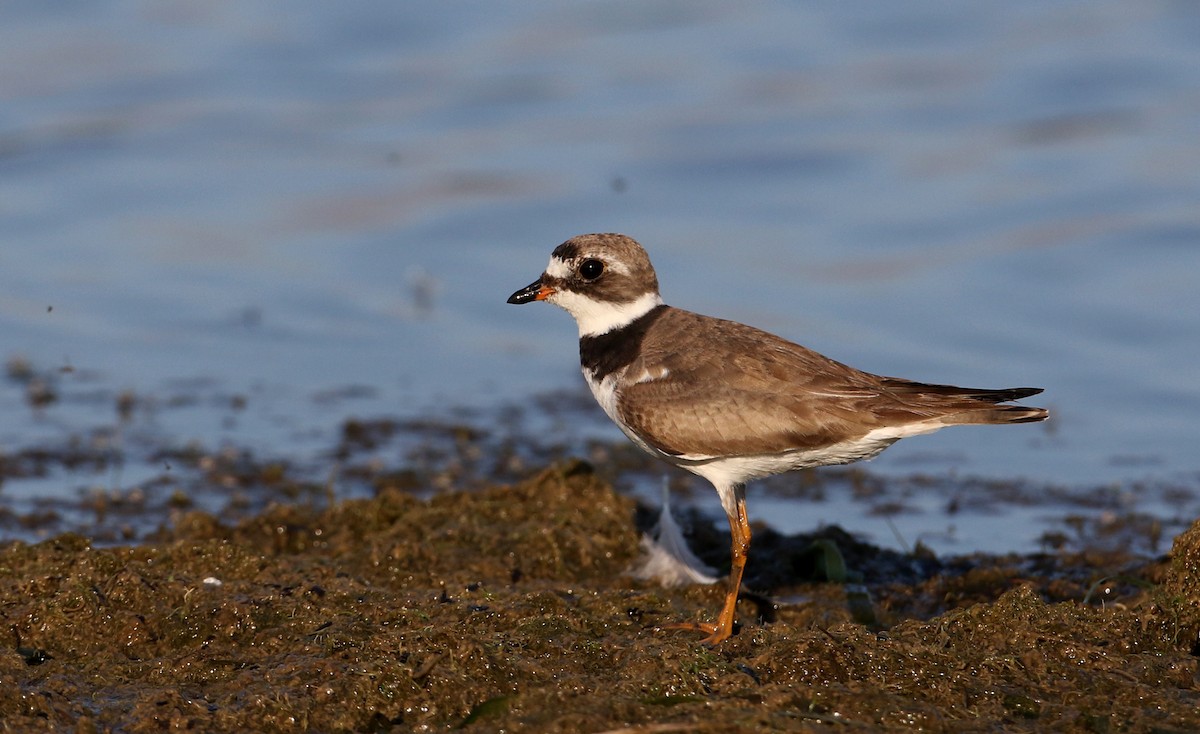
(507, 609)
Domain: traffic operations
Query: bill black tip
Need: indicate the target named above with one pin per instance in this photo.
(528, 293)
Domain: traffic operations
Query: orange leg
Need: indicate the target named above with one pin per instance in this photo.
(739, 530)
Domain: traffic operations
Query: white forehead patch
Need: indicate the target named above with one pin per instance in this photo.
(558, 268)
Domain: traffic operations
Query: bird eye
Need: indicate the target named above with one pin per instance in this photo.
(591, 269)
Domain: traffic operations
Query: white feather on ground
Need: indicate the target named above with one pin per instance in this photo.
(666, 557)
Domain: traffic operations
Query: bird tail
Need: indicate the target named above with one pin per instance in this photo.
(998, 414)
(968, 405)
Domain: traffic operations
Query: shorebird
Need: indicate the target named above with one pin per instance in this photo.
(729, 402)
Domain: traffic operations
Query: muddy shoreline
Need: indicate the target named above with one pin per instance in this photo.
(508, 608)
(468, 574)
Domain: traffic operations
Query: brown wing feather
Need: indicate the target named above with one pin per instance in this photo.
(771, 395)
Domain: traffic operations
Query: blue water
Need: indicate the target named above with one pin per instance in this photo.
(287, 203)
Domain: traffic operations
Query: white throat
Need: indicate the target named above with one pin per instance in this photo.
(600, 317)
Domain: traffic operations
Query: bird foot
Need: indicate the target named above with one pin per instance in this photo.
(716, 633)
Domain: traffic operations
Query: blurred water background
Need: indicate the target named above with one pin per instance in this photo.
(316, 210)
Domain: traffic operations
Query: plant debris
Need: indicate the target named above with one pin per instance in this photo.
(505, 608)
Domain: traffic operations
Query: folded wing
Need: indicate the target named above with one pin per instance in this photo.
(753, 392)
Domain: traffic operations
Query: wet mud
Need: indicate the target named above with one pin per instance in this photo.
(465, 574)
(508, 608)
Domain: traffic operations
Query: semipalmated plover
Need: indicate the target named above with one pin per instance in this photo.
(729, 402)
